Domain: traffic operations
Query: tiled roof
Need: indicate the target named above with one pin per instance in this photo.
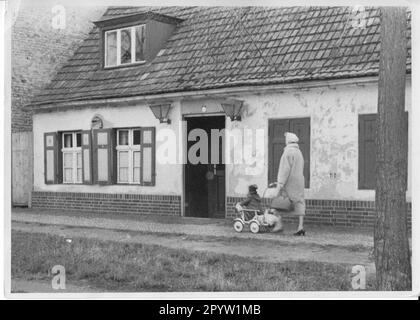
(217, 47)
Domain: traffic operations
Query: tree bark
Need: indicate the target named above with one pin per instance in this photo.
(391, 247)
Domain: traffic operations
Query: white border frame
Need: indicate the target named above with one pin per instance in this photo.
(5, 95)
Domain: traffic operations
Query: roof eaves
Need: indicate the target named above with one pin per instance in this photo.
(143, 16)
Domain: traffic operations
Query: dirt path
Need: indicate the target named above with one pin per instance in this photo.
(315, 235)
(263, 249)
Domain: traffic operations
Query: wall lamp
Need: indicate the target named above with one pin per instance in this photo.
(161, 112)
(232, 108)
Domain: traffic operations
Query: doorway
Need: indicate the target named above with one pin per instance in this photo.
(204, 183)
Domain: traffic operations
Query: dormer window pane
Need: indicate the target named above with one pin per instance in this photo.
(125, 46)
(111, 49)
(140, 43)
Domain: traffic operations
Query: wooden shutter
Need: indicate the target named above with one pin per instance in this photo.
(302, 128)
(148, 160)
(52, 158)
(87, 157)
(104, 156)
(276, 144)
(367, 151)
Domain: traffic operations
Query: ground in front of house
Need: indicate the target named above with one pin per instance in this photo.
(159, 254)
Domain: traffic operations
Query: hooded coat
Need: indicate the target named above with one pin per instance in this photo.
(290, 175)
(253, 201)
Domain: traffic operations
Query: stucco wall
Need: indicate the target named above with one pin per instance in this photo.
(334, 139)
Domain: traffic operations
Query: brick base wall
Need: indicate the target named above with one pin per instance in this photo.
(343, 213)
(108, 203)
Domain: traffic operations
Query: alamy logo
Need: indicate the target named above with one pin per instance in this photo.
(59, 17)
(358, 281)
(359, 17)
(237, 146)
(58, 281)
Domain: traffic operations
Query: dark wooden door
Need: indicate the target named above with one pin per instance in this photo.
(205, 192)
(276, 143)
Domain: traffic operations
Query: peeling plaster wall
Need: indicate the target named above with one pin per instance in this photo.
(334, 137)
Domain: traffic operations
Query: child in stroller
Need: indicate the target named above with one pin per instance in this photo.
(251, 213)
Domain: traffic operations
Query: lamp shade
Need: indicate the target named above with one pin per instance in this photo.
(161, 112)
(232, 108)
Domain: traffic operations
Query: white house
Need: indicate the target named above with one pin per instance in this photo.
(117, 128)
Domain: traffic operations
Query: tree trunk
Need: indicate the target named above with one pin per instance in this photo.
(391, 247)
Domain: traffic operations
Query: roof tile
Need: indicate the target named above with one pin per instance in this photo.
(217, 47)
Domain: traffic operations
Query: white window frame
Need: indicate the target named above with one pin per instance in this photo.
(133, 46)
(75, 151)
(131, 148)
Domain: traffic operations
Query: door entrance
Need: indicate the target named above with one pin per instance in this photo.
(205, 182)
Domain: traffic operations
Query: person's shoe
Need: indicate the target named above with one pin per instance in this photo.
(300, 232)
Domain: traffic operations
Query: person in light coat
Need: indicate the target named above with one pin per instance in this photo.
(291, 181)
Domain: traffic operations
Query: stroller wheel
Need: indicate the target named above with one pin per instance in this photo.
(238, 226)
(254, 227)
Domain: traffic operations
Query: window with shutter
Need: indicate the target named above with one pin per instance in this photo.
(52, 158)
(276, 143)
(367, 150)
(128, 155)
(72, 157)
(148, 142)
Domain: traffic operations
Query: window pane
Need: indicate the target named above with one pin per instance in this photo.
(123, 138)
(123, 166)
(68, 140)
(68, 160)
(50, 165)
(79, 160)
(123, 159)
(79, 175)
(136, 137)
(86, 164)
(86, 139)
(102, 165)
(136, 159)
(136, 166)
(147, 164)
(78, 139)
(102, 138)
(125, 46)
(111, 48)
(140, 43)
(147, 136)
(136, 175)
(68, 175)
(123, 175)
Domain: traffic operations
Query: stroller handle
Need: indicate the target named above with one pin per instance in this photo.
(270, 186)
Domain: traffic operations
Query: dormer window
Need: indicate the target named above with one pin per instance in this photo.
(133, 39)
(125, 46)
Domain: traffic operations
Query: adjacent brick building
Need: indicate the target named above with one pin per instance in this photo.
(39, 49)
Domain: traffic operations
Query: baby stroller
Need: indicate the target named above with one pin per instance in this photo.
(253, 218)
